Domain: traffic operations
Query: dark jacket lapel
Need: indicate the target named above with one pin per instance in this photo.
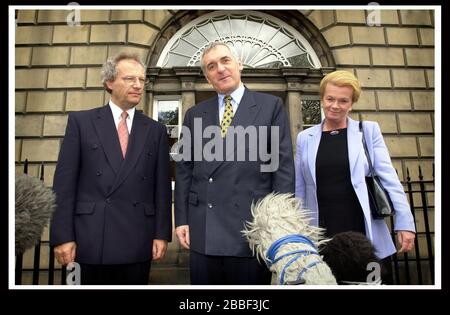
(104, 125)
(211, 113)
(244, 116)
(210, 116)
(136, 144)
(246, 112)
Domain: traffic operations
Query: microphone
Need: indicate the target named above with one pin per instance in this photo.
(350, 255)
(282, 236)
(35, 204)
(298, 253)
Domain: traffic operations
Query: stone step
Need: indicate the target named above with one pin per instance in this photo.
(169, 275)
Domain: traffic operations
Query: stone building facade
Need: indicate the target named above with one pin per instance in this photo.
(57, 70)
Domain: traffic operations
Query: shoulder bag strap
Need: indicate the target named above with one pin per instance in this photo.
(372, 173)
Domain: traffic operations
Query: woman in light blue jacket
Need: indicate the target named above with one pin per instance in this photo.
(331, 166)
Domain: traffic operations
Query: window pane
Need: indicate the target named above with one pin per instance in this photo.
(168, 112)
(299, 61)
(311, 112)
(184, 48)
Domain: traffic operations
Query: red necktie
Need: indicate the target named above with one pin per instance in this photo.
(122, 130)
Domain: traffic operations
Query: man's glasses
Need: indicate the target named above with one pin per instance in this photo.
(132, 80)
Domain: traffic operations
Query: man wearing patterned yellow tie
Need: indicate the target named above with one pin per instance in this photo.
(112, 184)
(213, 196)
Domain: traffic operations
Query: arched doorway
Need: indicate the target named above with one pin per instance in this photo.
(261, 40)
(293, 19)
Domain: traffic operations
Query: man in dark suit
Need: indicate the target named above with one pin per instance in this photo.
(112, 184)
(213, 196)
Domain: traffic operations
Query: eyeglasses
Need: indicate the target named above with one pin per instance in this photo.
(132, 80)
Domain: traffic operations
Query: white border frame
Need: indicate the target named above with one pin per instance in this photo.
(437, 137)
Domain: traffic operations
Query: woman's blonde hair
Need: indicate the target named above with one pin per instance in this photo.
(341, 78)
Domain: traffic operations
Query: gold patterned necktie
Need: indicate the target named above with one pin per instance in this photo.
(227, 115)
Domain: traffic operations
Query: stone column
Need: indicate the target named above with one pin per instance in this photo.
(187, 97)
(293, 79)
(152, 74)
(293, 106)
(187, 76)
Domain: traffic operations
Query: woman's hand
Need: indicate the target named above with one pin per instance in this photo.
(406, 240)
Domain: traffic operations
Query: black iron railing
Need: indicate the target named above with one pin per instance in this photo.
(407, 269)
(417, 268)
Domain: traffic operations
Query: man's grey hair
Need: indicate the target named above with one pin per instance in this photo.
(109, 69)
(213, 45)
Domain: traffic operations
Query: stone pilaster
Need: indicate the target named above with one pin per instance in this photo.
(187, 76)
(293, 101)
(152, 74)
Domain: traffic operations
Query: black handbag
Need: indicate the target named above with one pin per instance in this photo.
(380, 203)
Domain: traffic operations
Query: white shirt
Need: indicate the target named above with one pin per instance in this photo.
(117, 115)
(236, 97)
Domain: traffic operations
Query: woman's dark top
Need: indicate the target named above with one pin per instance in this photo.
(339, 207)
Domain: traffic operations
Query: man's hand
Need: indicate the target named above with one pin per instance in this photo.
(182, 233)
(406, 240)
(159, 249)
(65, 253)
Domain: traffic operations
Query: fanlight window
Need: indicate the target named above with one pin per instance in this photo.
(261, 40)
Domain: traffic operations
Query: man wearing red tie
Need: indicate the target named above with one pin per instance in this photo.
(112, 184)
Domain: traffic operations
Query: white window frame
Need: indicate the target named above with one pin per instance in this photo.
(175, 98)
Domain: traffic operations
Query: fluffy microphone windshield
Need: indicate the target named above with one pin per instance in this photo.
(34, 205)
(281, 234)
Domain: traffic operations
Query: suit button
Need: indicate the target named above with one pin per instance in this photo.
(135, 203)
(108, 200)
(94, 146)
(210, 205)
(144, 177)
(99, 173)
(210, 180)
